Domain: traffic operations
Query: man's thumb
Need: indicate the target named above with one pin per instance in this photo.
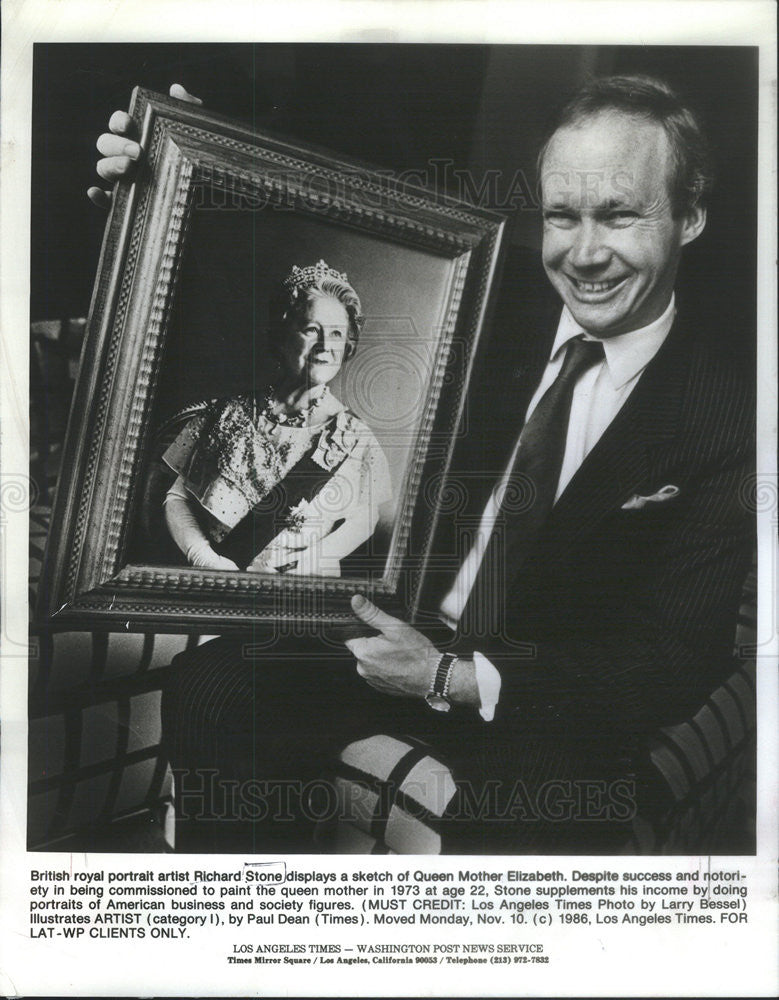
(367, 612)
(179, 92)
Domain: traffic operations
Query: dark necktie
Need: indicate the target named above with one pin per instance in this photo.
(530, 491)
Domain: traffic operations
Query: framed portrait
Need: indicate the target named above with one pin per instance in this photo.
(637, 712)
(201, 331)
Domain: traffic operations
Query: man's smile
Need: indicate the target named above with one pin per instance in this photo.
(595, 291)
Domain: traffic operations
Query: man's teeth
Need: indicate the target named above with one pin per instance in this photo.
(596, 286)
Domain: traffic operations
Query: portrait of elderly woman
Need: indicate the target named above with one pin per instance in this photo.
(282, 479)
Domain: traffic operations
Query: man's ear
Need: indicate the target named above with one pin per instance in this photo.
(694, 224)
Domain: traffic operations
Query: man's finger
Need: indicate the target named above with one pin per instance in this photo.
(357, 646)
(121, 123)
(111, 168)
(181, 94)
(99, 197)
(118, 145)
(373, 616)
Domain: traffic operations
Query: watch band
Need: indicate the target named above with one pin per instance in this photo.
(438, 695)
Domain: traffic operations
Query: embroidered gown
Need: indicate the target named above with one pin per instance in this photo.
(260, 487)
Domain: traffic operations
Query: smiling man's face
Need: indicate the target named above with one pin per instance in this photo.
(611, 241)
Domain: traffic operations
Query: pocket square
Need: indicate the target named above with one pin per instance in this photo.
(637, 502)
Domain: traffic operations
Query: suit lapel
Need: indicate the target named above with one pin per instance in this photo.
(621, 462)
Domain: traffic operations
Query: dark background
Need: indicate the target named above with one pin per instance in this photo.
(401, 107)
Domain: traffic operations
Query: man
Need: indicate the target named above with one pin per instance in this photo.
(621, 195)
(627, 590)
(601, 603)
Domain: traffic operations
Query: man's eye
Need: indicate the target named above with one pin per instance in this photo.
(557, 218)
(622, 218)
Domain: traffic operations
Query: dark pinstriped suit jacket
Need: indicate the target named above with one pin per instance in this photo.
(620, 620)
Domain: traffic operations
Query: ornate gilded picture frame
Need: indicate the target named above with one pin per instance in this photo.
(217, 214)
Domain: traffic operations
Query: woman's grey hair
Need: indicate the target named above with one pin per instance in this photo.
(295, 293)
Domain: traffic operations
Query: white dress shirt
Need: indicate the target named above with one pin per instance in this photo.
(598, 396)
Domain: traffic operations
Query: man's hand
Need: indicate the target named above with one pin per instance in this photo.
(400, 661)
(119, 150)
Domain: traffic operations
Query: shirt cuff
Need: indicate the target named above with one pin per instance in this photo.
(488, 682)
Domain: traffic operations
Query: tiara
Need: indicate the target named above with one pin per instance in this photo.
(311, 276)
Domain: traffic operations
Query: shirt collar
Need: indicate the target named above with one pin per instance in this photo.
(626, 354)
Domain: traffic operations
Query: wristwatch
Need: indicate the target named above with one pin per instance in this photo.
(438, 695)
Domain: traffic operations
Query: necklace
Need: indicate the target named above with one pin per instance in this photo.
(300, 418)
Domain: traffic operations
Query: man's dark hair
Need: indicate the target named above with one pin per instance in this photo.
(645, 97)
